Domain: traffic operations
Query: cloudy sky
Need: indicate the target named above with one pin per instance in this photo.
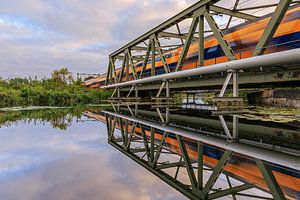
(38, 36)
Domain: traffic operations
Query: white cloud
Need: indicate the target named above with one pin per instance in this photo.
(38, 36)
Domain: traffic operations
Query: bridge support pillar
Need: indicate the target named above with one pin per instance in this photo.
(235, 85)
(235, 118)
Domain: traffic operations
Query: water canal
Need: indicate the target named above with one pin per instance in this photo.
(108, 153)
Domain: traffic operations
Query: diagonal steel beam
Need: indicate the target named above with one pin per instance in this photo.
(234, 9)
(131, 89)
(178, 167)
(131, 134)
(187, 43)
(219, 36)
(179, 32)
(108, 73)
(112, 125)
(229, 191)
(225, 127)
(160, 116)
(225, 84)
(130, 110)
(217, 171)
(230, 186)
(159, 148)
(271, 181)
(108, 125)
(187, 161)
(113, 68)
(272, 27)
(162, 56)
(152, 56)
(121, 124)
(146, 58)
(146, 146)
(132, 63)
(161, 88)
(123, 67)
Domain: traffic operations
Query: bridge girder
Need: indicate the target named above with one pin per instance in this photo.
(201, 12)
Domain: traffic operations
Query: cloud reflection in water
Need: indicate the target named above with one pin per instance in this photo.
(39, 162)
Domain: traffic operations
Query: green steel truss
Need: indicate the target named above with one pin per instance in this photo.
(148, 46)
(201, 17)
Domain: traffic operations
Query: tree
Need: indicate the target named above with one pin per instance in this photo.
(62, 75)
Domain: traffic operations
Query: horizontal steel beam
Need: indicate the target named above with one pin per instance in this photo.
(138, 48)
(269, 77)
(133, 57)
(175, 35)
(245, 149)
(274, 59)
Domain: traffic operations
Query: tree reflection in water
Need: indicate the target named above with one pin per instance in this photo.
(60, 118)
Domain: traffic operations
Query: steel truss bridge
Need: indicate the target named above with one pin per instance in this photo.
(260, 70)
(165, 151)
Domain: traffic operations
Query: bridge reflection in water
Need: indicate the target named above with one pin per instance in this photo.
(209, 158)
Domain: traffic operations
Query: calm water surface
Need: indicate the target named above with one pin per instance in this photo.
(68, 157)
(62, 154)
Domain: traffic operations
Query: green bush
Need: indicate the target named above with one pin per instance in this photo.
(47, 92)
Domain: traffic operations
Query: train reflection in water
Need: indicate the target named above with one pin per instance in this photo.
(192, 155)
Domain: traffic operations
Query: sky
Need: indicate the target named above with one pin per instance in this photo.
(39, 36)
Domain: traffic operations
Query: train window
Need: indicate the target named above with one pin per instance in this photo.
(212, 49)
(168, 55)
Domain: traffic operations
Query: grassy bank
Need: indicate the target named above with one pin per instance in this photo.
(59, 90)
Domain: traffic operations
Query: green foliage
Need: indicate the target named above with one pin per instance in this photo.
(59, 90)
(62, 76)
